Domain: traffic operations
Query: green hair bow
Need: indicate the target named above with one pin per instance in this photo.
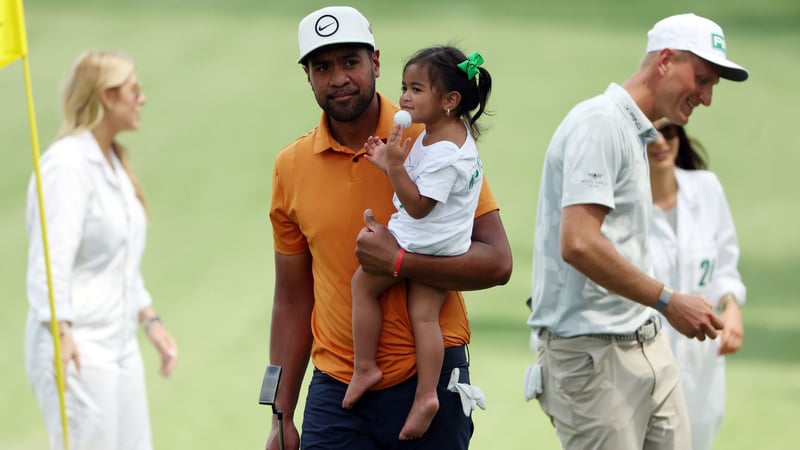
(470, 65)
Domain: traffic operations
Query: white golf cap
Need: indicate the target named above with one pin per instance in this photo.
(333, 25)
(698, 35)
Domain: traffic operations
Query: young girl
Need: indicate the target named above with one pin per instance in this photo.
(436, 192)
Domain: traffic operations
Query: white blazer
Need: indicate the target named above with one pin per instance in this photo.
(701, 258)
(96, 235)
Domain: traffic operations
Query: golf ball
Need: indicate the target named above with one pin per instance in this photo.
(403, 118)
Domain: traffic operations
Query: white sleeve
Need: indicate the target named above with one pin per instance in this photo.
(726, 274)
(591, 165)
(66, 192)
(437, 174)
(140, 293)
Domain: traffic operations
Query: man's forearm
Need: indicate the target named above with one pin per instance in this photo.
(487, 263)
(584, 247)
(290, 330)
(290, 348)
(601, 263)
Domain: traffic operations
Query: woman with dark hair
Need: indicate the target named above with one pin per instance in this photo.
(695, 249)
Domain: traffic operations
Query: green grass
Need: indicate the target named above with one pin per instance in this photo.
(224, 95)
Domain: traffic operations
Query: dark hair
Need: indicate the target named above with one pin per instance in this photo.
(691, 154)
(445, 75)
(370, 50)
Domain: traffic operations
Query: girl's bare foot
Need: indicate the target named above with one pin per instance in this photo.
(361, 382)
(420, 417)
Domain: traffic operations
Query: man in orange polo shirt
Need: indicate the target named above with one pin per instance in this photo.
(321, 189)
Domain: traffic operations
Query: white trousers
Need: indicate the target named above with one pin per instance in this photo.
(106, 402)
(703, 378)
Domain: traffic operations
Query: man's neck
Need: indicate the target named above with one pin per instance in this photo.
(641, 87)
(354, 133)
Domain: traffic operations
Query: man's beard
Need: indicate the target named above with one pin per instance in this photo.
(353, 109)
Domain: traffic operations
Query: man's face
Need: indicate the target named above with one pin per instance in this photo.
(688, 82)
(343, 79)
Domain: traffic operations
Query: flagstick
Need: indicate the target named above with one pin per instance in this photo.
(53, 319)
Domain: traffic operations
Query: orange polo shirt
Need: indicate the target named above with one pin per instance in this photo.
(320, 190)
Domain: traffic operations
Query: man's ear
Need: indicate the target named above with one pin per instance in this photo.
(376, 63)
(664, 59)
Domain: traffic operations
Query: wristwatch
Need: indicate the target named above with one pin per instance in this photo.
(663, 299)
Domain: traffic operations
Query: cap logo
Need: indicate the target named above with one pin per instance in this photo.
(327, 25)
(718, 42)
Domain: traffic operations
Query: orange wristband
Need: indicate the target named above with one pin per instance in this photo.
(398, 262)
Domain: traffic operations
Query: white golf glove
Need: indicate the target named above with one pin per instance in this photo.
(470, 395)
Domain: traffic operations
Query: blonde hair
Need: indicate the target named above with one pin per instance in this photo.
(91, 74)
(650, 57)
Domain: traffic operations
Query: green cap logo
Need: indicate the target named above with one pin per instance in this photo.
(718, 42)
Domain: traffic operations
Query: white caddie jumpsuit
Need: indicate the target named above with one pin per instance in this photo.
(701, 258)
(96, 235)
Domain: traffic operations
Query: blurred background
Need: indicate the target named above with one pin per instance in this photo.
(224, 94)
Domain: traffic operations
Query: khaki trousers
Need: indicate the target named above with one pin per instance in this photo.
(604, 393)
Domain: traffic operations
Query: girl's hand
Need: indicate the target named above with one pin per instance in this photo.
(376, 152)
(395, 150)
(392, 152)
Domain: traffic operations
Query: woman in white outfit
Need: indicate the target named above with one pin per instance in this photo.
(96, 223)
(695, 249)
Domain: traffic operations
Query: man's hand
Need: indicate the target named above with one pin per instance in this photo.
(291, 438)
(376, 247)
(692, 316)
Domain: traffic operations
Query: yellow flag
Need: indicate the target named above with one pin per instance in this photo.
(13, 44)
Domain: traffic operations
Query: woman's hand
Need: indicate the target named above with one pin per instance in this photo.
(165, 345)
(69, 350)
(732, 335)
